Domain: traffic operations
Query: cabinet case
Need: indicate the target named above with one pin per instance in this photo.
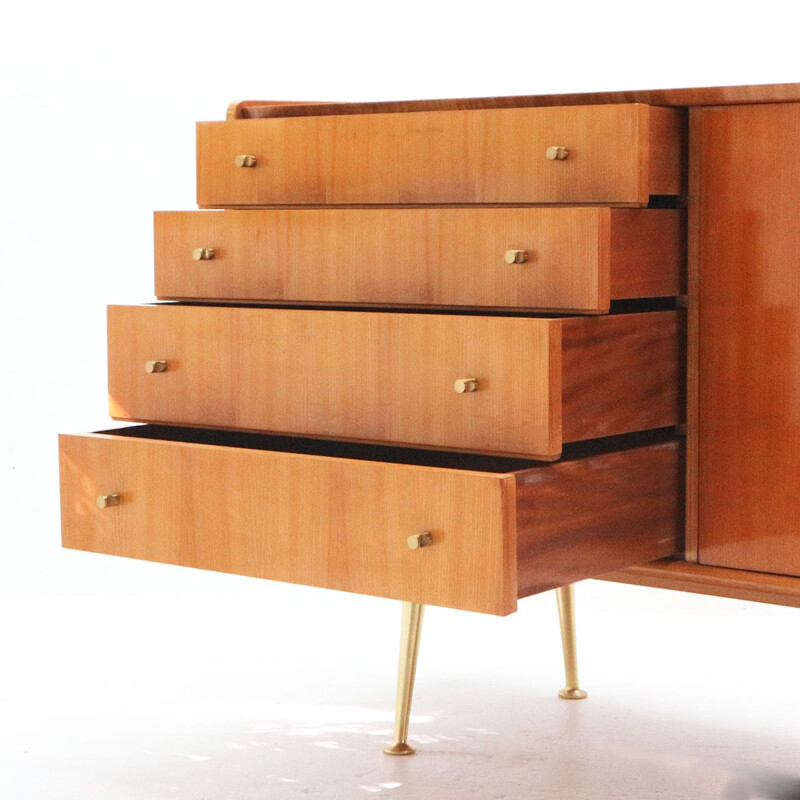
(450, 350)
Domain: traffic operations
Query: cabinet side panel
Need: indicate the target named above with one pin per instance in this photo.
(749, 337)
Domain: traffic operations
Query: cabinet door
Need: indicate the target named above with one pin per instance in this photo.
(748, 238)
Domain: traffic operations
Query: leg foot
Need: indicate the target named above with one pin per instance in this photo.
(566, 614)
(406, 672)
(399, 749)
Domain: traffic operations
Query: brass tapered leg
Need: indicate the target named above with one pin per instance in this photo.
(409, 648)
(566, 614)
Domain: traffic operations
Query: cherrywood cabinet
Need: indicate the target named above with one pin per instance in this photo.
(458, 352)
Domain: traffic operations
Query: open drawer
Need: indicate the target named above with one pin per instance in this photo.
(547, 258)
(615, 153)
(518, 386)
(464, 531)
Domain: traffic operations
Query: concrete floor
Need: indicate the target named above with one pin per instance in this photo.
(224, 689)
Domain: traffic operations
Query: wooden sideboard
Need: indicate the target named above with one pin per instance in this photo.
(467, 351)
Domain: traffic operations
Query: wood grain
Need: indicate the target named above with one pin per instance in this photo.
(648, 253)
(334, 523)
(578, 258)
(489, 156)
(622, 373)
(685, 576)
(696, 167)
(343, 523)
(748, 194)
(700, 96)
(589, 516)
(389, 377)
(364, 375)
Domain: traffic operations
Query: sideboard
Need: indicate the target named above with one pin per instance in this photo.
(459, 352)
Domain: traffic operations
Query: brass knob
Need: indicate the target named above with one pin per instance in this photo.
(203, 253)
(107, 500)
(556, 153)
(245, 161)
(155, 366)
(466, 385)
(516, 256)
(418, 540)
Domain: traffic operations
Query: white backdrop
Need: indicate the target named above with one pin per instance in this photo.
(97, 109)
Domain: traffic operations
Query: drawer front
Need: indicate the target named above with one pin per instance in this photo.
(397, 377)
(326, 522)
(363, 375)
(562, 259)
(613, 154)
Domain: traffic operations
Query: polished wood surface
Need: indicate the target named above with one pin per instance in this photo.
(748, 194)
(590, 515)
(390, 376)
(622, 373)
(344, 523)
(363, 375)
(700, 96)
(692, 302)
(685, 576)
(648, 253)
(482, 156)
(578, 258)
(336, 523)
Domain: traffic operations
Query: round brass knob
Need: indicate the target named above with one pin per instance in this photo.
(556, 153)
(516, 256)
(245, 161)
(203, 253)
(107, 500)
(418, 540)
(155, 366)
(463, 385)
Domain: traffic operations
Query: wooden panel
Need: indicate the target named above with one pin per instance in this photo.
(327, 522)
(700, 96)
(588, 516)
(648, 253)
(390, 377)
(364, 375)
(414, 256)
(684, 576)
(749, 395)
(493, 156)
(622, 373)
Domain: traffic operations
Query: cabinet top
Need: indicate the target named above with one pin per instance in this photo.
(705, 96)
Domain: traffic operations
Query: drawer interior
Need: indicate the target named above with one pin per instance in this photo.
(385, 453)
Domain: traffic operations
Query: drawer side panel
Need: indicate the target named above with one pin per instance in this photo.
(623, 373)
(579, 519)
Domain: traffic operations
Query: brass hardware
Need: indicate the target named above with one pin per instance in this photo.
(418, 540)
(516, 256)
(556, 153)
(203, 253)
(155, 366)
(406, 672)
(463, 385)
(245, 161)
(107, 500)
(565, 596)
